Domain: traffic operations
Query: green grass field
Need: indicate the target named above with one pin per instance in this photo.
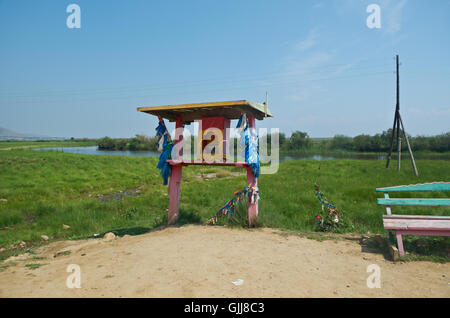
(97, 194)
(8, 145)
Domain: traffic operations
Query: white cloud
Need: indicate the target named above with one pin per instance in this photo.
(392, 15)
(318, 5)
(309, 42)
(299, 65)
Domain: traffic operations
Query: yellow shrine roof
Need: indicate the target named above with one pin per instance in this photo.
(191, 112)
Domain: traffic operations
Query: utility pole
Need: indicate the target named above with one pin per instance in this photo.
(397, 110)
(396, 128)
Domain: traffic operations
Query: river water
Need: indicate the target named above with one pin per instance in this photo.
(93, 150)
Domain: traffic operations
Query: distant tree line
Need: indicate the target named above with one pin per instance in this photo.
(81, 139)
(301, 142)
(138, 143)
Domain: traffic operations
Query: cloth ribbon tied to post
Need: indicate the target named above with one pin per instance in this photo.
(229, 207)
(162, 134)
(249, 138)
(253, 194)
(165, 145)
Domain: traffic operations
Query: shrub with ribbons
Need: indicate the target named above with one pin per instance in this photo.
(228, 209)
(330, 217)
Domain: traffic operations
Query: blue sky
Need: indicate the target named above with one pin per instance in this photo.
(326, 72)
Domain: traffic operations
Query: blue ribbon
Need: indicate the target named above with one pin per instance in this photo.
(166, 169)
(249, 138)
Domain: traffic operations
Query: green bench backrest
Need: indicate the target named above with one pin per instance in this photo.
(435, 186)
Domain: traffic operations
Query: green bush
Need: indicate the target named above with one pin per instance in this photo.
(138, 143)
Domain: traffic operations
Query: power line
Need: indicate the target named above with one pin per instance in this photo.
(235, 79)
(272, 84)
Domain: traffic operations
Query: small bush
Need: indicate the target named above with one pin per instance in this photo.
(329, 218)
(138, 143)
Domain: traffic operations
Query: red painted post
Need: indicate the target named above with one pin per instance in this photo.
(175, 177)
(226, 140)
(178, 140)
(252, 184)
(174, 194)
(252, 207)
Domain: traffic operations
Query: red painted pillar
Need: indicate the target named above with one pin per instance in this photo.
(252, 184)
(174, 194)
(175, 177)
(252, 207)
(178, 140)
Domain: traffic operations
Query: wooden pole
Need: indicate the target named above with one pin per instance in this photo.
(399, 149)
(398, 125)
(252, 183)
(395, 127)
(392, 140)
(175, 177)
(397, 109)
(174, 194)
(409, 148)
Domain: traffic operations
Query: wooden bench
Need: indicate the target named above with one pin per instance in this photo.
(415, 224)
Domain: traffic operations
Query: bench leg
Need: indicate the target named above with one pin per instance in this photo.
(400, 244)
(391, 237)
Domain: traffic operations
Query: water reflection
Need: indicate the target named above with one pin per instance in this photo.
(332, 157)
(93, 150)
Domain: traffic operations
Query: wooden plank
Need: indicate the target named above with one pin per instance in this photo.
(195, 105)
(434, 186)
(414, 201)
(239, 164)
(418, 217)
(424, 232)
(415, 224)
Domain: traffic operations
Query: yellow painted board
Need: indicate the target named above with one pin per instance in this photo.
(191, 112)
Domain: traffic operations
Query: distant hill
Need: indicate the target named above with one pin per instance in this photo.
(6, 134)
(9, 133)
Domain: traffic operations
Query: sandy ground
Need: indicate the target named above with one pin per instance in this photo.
(199, 261)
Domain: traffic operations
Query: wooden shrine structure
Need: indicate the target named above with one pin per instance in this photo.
(210, 116)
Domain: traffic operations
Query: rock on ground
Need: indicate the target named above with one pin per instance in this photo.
(109, 236)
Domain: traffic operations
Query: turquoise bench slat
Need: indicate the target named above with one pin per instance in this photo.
(434, 186)
(413, 224)
(417, 202)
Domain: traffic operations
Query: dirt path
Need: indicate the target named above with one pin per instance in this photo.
(198, 261)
